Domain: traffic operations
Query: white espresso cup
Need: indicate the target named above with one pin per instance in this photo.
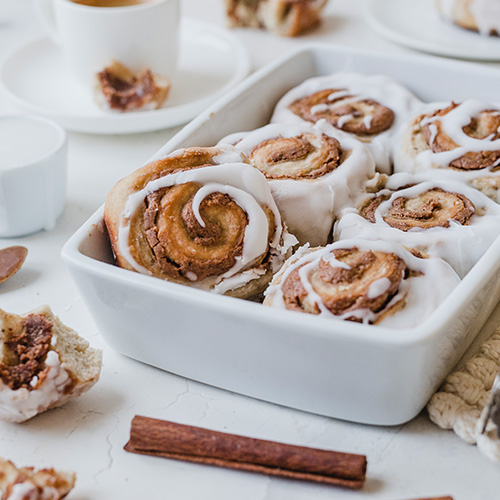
(139, 34)
(33, 165)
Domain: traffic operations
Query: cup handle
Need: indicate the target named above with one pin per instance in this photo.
(46, 14)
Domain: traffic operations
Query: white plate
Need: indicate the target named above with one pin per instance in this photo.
(211, 62)
(417, 24)
(362, 373)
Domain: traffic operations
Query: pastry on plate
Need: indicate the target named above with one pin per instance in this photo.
(313, 171)
(372, 282)
(446, 219)
(458, 141)
(482, 16)
(371, 108)
(120, 89)
(43, 364)
(200, 217)
(26, 483)
(284, 17)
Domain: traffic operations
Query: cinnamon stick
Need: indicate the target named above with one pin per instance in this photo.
(184, 442)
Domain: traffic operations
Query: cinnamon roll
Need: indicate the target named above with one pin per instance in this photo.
(482, 16)
(455, 140)
(283, 17)
(313, 172)
(443, 219)
(369, 108)
(199, 217)
(373, 282)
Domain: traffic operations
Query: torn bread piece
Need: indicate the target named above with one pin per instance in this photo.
(26, 483)
(283, 17)
(120, 89)
(43, 364)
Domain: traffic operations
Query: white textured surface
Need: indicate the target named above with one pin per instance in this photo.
(88, 435)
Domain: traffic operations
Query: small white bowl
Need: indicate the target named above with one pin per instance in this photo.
(33, 164)
(363, 373)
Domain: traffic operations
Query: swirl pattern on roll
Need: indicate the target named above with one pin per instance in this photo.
(373, 282)
(201, 217)
(443, 219)
(457, 141)
(369, 108)
(313, 171)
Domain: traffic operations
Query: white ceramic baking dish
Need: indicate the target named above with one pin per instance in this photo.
(361, 373)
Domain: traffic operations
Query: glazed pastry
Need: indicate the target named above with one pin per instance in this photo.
(482, 16)
(199, 217)
(456, 141)
(314, 172)
(443, 219)
(372, 282)
(120, 89)
(369, 108)
(26, 483)
(284, 17)
(43, 364)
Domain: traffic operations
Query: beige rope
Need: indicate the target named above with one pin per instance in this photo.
(463, 396)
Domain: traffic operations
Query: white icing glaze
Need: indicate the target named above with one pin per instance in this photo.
(460, 245)
(486, 13)
(227, 154)
(24, 491)
(382, 89)
(248, 188)
(447, 8)
(423, 293)
(310, 206)
(22, 404)
(367, 121)
(344, 119)
(405, 159)
(378, 287)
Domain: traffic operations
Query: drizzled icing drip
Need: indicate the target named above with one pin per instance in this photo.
(418, 294)
(352, 88)
(241, 183)
(461, 245)
(457, 141)
(310, 203)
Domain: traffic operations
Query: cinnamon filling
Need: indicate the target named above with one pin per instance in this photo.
(284, 17)
(486, 125)
(126, 91)
(364, 117)
(25, 352)
(433, 208)
(301, 157)
(343, 290)
(184, 248)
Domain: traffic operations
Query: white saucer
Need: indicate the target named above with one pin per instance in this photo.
(211, 62)
(417, 24)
